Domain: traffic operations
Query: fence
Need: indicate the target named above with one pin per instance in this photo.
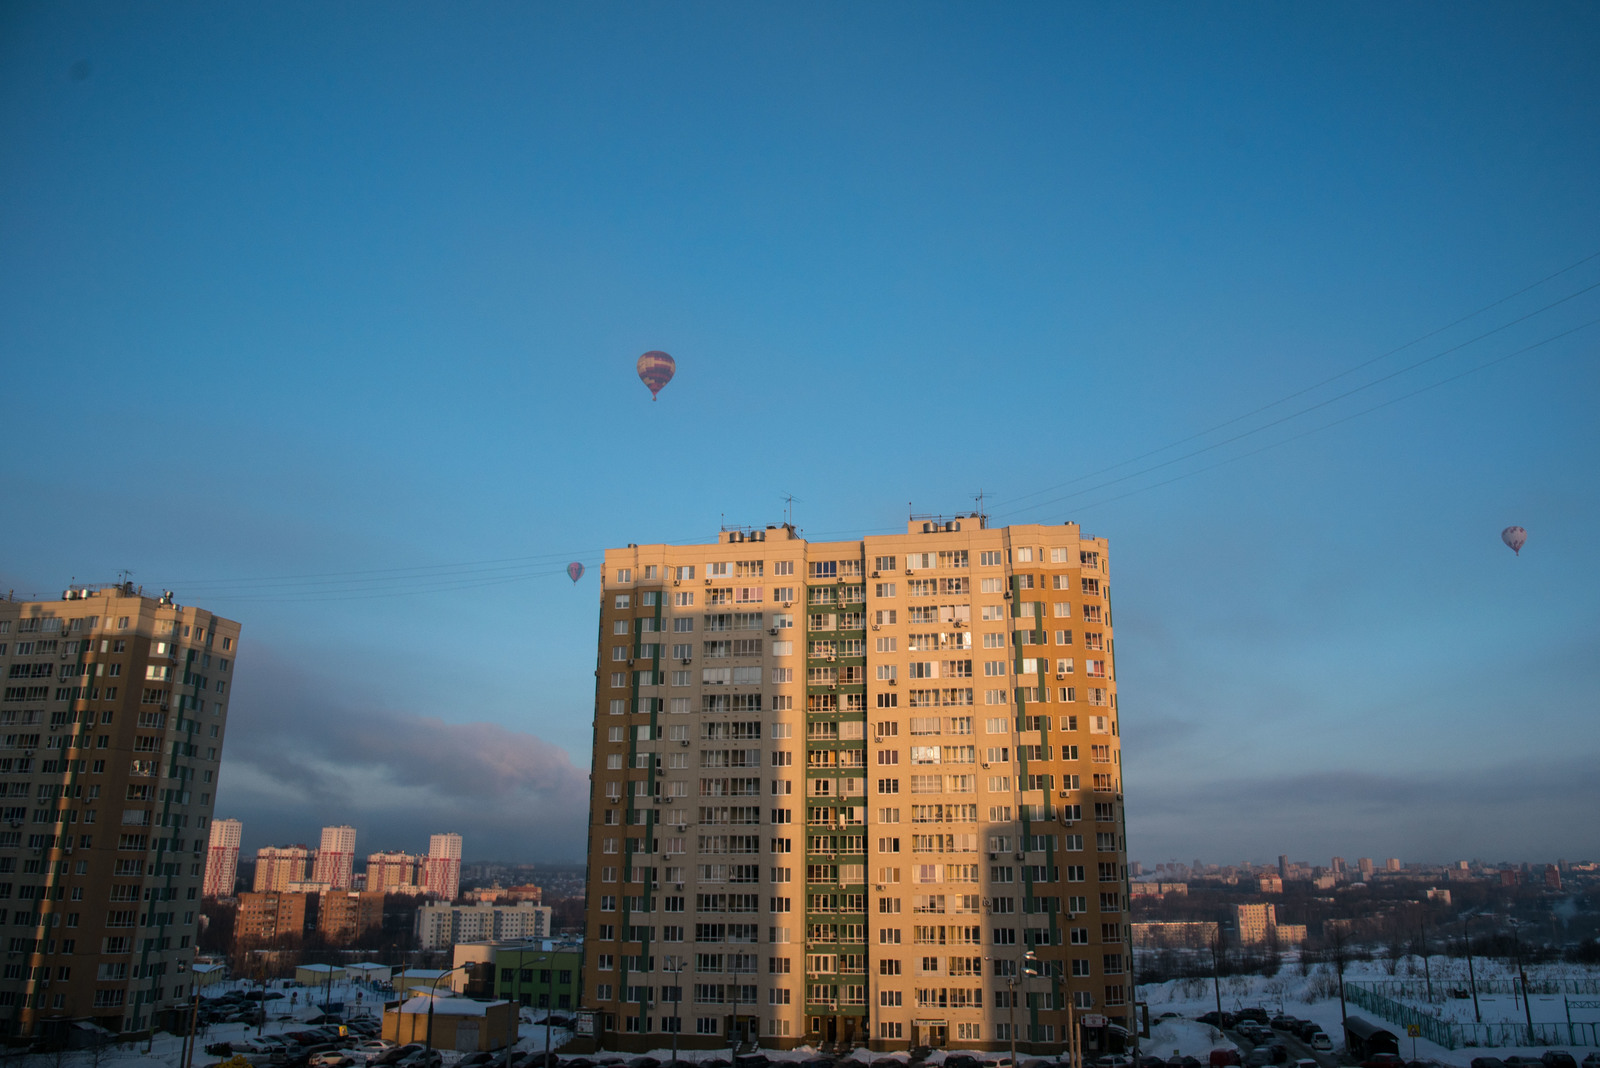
(1417, 989)
(1373, 996)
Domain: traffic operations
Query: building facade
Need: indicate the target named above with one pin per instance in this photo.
(393, 873)
(268, 918)
(441, 874)
(442, 926)
(222, 858)
(278, 866)
(127, 697)
(343, 916)
(858, 792)
(336, 857)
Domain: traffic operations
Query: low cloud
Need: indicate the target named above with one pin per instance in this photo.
(297, 759)
(1430, 813)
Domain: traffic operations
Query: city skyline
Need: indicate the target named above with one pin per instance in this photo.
(1296, 306)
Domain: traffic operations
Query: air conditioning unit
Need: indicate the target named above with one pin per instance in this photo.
(708, 582)
(680, 887)
(874, 574)
(894, 682)
(773, 631)
(685, 661)
(683, 741)
(994, 856)
(1059, 675)
(1007, 594)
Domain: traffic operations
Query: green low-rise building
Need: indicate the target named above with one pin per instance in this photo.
(538, 973)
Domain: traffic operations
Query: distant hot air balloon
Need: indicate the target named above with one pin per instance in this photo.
(656, 370)
(1515, 538)
(575, 571)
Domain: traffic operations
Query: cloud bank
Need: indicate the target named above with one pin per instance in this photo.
(303, 752)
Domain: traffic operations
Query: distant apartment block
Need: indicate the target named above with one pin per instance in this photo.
(393, 873)
(345, 915)
(222, 858)
(441, 872)
(269, 917)
(1181, 934)
(1258, 924)
(443, 925)
(526, 892)
(278, 866)
(115, 706)
(336, 857)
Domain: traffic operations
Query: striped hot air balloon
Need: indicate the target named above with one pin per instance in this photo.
(656, 370)
(1515, 538)
(575, 571)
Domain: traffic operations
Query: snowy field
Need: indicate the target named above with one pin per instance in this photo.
(1315, 996)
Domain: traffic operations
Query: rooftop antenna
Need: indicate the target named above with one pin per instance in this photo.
(125, 574)
(788, 507)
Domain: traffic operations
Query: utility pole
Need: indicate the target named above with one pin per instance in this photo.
(1427, 972)
(1527, 1008)
(1472, 979)
(1216, 972)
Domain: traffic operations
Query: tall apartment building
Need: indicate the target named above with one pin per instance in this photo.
(336, 857)
(394, 873)
(127, 695)
(278, 866)
(346, 915)
(269, 917)
(441, 869)
(849, 791)
(222, 858)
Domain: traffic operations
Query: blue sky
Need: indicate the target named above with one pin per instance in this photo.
(291, 292)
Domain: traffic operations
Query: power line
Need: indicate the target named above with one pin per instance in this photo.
(1336, 422)
(1296, 414)
(1318, 385)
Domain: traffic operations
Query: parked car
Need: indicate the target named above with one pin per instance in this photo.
(333, 1058)
(1558, 1058)
(1146, 1060)
(1217, 1019)
(962, 1060)
(422, 1058)
(1488, 1062)
(1223, 1058)
(1259, 1015)
(1320, 1042)
(1260, 1057)
(1110, 1060)
(1592, 1061)
(398, 1053)
(1383, 1060)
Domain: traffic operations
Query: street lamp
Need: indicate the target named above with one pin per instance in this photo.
(1030, 970)
(433, 995)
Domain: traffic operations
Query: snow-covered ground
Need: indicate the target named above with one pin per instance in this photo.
(1315, 996)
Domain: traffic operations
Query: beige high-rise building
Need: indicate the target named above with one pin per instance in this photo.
(336, 857)
(111, 727)
(852, 791)
(441, 868)
(278, 866)
(222, 858)
(394, 873)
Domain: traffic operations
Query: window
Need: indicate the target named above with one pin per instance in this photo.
(884, 589)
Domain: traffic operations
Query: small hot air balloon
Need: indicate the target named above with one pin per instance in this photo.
(575, 571)
(656, 370)
(1515, 538)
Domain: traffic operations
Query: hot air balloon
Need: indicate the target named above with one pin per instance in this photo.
(1515, 538)
(575, 571)
(656, 370)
